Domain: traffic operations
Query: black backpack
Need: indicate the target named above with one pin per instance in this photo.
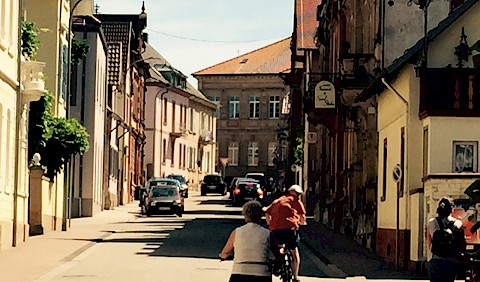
(448, 241)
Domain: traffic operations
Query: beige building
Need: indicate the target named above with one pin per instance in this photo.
(428, 120)
(250, 91)
(88, 105)
(21, 82)
(180, 124)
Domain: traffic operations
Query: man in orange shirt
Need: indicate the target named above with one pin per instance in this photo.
(284, 217)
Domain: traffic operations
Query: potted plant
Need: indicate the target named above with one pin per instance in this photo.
(476, 57)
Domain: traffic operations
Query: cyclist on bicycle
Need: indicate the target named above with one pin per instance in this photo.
(284, 217)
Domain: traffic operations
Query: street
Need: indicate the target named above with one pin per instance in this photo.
(167, 248)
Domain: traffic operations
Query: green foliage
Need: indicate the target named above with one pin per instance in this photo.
(298, 152)
(476, 46)
(30, 42)
(79, 50)
(57, 139)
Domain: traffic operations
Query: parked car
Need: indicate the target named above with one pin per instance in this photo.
(183, 183)
(213, 183)
(164, 199)
(154, 181)
(259, 176)
(247, 189)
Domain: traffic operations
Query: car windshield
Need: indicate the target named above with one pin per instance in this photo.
(179, 178)
(212, 178)
(163, 182)
(163, 192)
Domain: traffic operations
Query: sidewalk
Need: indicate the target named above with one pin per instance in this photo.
(41, 254)
(342, 253)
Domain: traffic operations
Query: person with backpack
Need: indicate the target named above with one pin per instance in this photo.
(445, 241)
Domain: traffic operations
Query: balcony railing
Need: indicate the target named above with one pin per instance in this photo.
(33, 85)
(450, 92)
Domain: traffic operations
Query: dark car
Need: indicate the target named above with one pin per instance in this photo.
(183, 183)
(246, 190)
(164, 199)
(213, 183)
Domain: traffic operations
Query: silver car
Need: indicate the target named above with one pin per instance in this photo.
(164, 199)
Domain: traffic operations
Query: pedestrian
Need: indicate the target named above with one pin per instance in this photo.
(250, 247)
(284, 217)
(445, 241)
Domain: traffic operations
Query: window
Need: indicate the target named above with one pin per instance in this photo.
(274, 107)
(384, 174)
(425, 151)
(64, 71)
(272, 146)
(253, 154)
(234, 107)
(254, 107)
(164, 151)
(465, 156)
(172, 156)
(165, 103)
(173, 115)
(216, 100)
(184, 156)
(233, 154)
(191, 118)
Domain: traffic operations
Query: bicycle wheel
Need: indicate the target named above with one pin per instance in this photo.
(287, 272)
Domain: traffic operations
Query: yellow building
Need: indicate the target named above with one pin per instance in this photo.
(428, 118)
(47, 210)
(21, 82)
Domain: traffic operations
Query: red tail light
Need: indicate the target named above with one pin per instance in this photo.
(236, 191)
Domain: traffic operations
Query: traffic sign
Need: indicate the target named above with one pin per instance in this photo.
(397, 173)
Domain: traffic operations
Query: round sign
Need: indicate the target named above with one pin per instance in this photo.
(397, 173)
(294, 167)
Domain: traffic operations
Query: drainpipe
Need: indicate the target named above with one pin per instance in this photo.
(18, 118)
(405, 175)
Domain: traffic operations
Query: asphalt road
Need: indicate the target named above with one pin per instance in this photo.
(169, 248)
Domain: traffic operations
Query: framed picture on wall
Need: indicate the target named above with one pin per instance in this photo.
(465, 157)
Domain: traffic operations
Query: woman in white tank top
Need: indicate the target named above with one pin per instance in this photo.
(251, 245)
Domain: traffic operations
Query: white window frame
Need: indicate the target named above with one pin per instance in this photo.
(272, 146)
(253, 154)
(234, 107)
(254, 103)
(274, 107)
(458, 156)
(233, 154)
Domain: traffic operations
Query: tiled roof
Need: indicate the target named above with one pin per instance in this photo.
(114, 63)
(271, 59)
(306, 14)
(152, 57)
(118, 36)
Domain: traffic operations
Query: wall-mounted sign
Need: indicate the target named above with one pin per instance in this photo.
(324, 95)
(311, 137)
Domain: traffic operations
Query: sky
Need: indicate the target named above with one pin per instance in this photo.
(196, 34)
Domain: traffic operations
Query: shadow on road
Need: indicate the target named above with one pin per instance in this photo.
(223, 202)
(214, 212)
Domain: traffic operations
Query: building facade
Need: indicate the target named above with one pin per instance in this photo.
(180, 124)
(249, 90)
(427, 118)
(88, 105)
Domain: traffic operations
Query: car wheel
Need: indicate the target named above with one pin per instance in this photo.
(203, 192)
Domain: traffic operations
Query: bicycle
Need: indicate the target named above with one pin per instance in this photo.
(285, 270)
